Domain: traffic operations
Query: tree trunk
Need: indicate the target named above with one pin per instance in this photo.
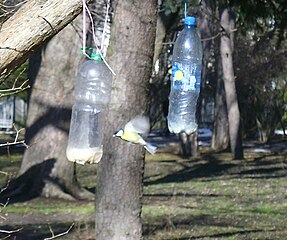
(227, 20)
(30, 27)
(220, 134)
(208, 29)
(45, 169)
(120, 172)
(189, 144)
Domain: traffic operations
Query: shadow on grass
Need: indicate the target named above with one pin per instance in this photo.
(33, 232)
(210, 167)
(29, 185)
(225, 224)
(222, 235)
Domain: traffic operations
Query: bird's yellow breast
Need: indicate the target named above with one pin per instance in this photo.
(131, 136)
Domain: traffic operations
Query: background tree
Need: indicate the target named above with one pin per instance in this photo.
(220, 133)
(227, 21)
(261, 69)
(212, 74)
(45, 169)
(120, 172)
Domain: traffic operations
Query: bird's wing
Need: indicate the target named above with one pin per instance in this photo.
(139, 124)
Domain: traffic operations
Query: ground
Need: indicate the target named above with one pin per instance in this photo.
(208, 197)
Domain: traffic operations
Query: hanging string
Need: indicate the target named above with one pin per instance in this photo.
(105, 24)
(185, 8)
(84, 29)
(86, 10)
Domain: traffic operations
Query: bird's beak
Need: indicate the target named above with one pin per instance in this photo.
(115, 134)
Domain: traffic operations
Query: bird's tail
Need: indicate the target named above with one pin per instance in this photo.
(150, 148)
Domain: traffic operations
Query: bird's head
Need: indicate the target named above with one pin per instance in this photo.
(119, 133)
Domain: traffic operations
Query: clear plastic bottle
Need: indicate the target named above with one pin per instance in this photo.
(185, 82)
(92, 94)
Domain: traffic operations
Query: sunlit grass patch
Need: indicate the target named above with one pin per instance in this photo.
(40, 206)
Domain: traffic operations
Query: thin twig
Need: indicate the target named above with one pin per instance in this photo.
(5, 204)
(1, 172)
(3, 8)
(8, 236)
(14, 90)
(60, 234)
(11, 231)
(53, 30)
(17, 78)
(13, 49)
(16, 5)
(15, 142)
(4, 188)
(211, 38)
(165, 43)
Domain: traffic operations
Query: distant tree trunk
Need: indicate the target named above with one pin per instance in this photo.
(158, 87)
(189, 144)
(120, 172)
(220, 133)
(45, 169)
(227, 20)
(208, 29)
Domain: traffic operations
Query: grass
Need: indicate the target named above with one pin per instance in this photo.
(42, 206)
(209, 197)
(237, 200)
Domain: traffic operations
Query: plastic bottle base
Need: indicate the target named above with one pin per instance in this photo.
(85, 155)
(179, 130)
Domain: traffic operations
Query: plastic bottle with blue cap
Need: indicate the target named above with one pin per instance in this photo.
(185, 79)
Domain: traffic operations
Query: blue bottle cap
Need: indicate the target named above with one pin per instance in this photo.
(190, 21)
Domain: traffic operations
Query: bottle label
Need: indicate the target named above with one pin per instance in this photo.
(186, 77)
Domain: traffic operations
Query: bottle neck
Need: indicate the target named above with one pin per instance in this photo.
(189, 26)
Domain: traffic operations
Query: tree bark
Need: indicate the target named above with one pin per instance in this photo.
(30, 27)
(189, 144)
(209, 28)
(45, 169)
(206, 28)
(120, 172)
(220, 134)
(227, 20)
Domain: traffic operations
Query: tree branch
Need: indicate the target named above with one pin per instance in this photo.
(60, 234)
(16, 141)
(30, 27)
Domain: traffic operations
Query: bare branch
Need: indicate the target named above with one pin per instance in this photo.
(5, 204)
(60, 234)
(16, 141)
(14, 6)
(13, 143)
(8, 236)
(211, 38)
(13, 49)
(37, 32)
(14, 89)
(11, 231)
(1, 172)
(4, 188)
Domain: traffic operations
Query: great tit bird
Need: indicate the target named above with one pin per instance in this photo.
(132, 130)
